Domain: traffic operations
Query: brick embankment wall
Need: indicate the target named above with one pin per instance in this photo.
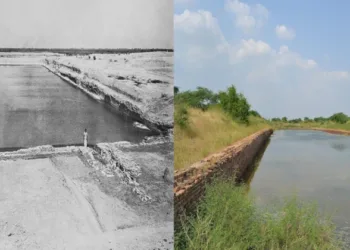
(189, 184)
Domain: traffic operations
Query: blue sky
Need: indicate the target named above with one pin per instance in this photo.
(290, 58)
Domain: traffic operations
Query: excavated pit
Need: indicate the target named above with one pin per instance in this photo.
(39, 108)
(111, 195)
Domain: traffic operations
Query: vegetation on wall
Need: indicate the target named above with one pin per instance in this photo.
(228, 218)
(230, 101)
(206, 122)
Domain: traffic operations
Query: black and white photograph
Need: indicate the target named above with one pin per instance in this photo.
(86, 124)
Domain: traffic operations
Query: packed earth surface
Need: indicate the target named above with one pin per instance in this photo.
(110, 195)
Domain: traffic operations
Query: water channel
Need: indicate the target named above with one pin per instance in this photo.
(312, 164)
(39, 108)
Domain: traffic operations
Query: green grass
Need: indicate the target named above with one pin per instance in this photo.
(229, 219)
(307, 125)
(207, 132)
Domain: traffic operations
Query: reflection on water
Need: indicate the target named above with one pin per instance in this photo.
(313, 164)
(37, 107)
(339, 146)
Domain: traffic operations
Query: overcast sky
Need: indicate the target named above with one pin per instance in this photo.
(86, 23)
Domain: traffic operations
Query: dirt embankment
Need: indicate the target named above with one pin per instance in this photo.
(141, 92)
(116, 196)
(189, 184)
(138, 85)
(113, 196)
(327, 130)
(333, 131)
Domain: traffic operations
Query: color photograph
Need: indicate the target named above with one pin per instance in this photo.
(261, 123)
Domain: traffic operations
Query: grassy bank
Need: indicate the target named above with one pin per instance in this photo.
(208, 132)
(308, 125)
(228, 219)
(337, 121)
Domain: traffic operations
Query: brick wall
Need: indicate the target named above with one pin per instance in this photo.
(190, 183)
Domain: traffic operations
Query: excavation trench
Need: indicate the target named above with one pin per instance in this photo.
(39, 108)
(114, 194)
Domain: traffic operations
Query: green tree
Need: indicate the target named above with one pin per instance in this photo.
(319, 119)
(200, 98)
(339, 118)
(276, 119)
(235, 104)
(254, 113)
(284, 119)
(176, 90)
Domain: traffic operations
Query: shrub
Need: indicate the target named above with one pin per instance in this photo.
(254, 113)
(298, 120)
(176, 90)
(200, 98)
(320, 119)
(181, 116)
(276, 119)
(307, 119)
(339, 118)
(235, 104)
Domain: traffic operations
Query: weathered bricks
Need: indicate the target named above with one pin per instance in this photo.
(190, 183)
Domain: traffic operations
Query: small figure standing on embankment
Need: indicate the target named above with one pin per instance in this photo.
(85, 138)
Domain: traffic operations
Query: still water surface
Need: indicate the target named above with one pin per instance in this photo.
(37, 108)
(313, 164)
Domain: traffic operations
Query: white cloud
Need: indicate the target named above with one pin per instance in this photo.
(200, 35)
(252, 48)
(247, 18)
(309, 64)
(283, 49)
(205, 40)
(190, 22)
(276, 81)
(285, 33)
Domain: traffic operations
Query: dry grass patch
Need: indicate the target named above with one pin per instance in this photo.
(209, 132)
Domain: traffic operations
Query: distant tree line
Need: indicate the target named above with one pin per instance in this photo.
(233, 103)
(340, 118)
(76, 51)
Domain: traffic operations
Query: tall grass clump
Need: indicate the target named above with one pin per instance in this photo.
(229, 219)
(181, 116)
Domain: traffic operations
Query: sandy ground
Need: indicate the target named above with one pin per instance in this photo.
(61, 202)
(117, 196)
(143, 81)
